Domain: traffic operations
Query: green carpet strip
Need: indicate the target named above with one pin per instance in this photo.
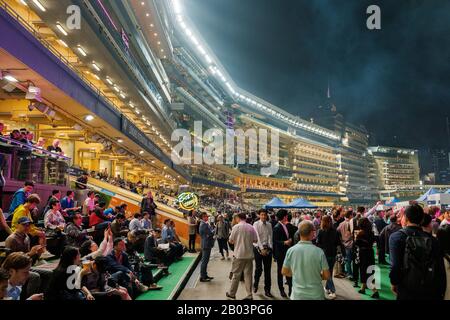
(171, 282)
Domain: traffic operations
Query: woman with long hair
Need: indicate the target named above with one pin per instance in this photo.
(63, 288)
(365, 256)
(328, 240)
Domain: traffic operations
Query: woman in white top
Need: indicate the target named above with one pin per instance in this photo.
(53, 219)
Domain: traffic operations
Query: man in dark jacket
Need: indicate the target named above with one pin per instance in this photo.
(152, 253)
(281, 243)
(117, 261)
(207, 235)
(391, 228)
(417, 267)
(148, 205)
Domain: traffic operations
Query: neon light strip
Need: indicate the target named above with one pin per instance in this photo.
(107, 14)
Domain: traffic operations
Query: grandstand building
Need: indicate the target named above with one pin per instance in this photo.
(114, 90)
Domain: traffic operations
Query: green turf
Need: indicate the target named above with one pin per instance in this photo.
(170, 282)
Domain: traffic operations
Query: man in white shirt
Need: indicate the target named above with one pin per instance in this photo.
(18, 265)
(135, 223)
(243, 236)
(263, 252)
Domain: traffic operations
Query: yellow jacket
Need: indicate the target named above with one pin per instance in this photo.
(22, 211)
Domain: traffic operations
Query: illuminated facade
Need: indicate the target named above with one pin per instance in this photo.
(395, 166)
(148, 81)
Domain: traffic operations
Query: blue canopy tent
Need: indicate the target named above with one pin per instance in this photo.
(301, 203)
(424, 197)
(275, 203)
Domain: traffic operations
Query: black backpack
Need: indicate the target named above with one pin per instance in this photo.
(419, 270)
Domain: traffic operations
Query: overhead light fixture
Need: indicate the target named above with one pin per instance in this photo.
(151, 25)
(95, 66)
(109, 81)
(116, 89)
(131, 105)
(119, 140)
(39, 5)
(10, 78)
(23, 2)
(155, 34)
(96, 76)
(33, 94)
(147, 14)
(159, 42)
(81, 50)
(162, 50)
(141, 152)
(137, 111)
(142, 3)
(61, 29)
(63, 43)
(89, 117)
(122, 95)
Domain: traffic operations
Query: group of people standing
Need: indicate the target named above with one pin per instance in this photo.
(342, 240)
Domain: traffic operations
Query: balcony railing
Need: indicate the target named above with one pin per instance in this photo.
(24, 162)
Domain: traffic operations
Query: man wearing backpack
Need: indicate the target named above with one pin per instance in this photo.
(417, 270)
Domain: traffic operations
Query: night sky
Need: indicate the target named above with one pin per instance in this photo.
(395, 81)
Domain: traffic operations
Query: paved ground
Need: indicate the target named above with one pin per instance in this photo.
(220, 270)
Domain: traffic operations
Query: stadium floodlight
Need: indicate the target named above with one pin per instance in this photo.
(177, 6)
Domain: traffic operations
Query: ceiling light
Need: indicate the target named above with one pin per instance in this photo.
(109, 81)
(63, 43)
(89, 117)
(162, 50)
(131, 105)
(96, 77)
(61, 29)
(122, 95)
(39, 5)
(165, 57)
(119, 140)
(116, 89)
(141, 152)
(147, 14)
(81, 50)
(142, 3)
(151, 25)
(95, 66)
(137, 111)
(10, 78)
(23, 2)
(159, 42)
(155, 34)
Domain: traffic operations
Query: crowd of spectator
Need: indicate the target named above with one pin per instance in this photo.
(109, 252)
(310, 246)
